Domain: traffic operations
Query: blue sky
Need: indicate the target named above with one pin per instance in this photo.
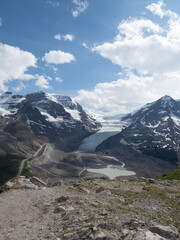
(110, 55)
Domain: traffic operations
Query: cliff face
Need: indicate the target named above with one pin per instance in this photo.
(26, 122)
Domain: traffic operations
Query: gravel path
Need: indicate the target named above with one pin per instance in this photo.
(86, 210)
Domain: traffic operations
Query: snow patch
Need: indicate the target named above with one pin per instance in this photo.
(8, 103)
(56, 121)
(74, 114)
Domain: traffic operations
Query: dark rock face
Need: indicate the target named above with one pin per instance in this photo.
(154, 128)
(155, 125)
(41, 117)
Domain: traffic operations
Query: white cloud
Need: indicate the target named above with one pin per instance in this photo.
(42, 82)
(150, 56)
(157, 9)
(85, 45)
(173, 31)
(58, 57)
(128, 93)
(19, 87)
(53, 3)
(1, 21)
(58, 36)
(144, 45)
(58, 79)
(133, 27)
(80, 7)
(67, 37)
(14, 63)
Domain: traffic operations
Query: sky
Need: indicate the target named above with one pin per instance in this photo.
(111, 56)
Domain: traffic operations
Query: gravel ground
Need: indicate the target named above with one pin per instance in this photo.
(92, 209)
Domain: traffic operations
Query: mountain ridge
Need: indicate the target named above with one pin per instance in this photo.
(154, 126)
(44, 119)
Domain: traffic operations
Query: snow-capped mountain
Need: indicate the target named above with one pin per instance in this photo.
(9, 104)
(154, 126)
(62, 111)
(40, 117)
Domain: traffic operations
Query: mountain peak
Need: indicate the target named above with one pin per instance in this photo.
(167, 102)
(166, 98)
(8, 93)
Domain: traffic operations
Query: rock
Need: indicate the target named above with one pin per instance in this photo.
(94, 204)
(165, 231)
(85, 190)
(100, 236)
(83, 233)
(105, 193)
(38, 182)
(30, 186)
(151, 180)
(70, 208)
(70, 236)
(7, 185)
(19, 183)
(100, 189)
(57, 184)
(143, 179)
(60, 210)
(104, 213)
(76, 184)
(121, 199)
(146, 235)
(62, 199)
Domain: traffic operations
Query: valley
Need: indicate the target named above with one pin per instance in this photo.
(62, 141)
(65, 175)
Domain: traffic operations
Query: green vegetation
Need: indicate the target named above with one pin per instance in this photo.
(27, 172)
(165, 154)
(167, 197)
(172, 175)
(9, 165)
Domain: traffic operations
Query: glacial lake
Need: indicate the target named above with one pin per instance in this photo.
(112, 172)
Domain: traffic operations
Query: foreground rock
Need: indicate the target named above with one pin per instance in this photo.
(24, 183)
(164, 231)
(148, 211)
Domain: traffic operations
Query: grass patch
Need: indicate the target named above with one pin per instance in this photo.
(168, 198)
(172, 175)
(9, 166)
(27, 171)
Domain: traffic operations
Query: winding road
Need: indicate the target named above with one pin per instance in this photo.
(21, 166)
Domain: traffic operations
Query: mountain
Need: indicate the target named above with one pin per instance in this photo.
(154, 130)
(26, 122)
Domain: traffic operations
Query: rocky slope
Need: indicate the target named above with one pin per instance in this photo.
(27, 122)
(155, 125)
(154, 128)
(138, 209)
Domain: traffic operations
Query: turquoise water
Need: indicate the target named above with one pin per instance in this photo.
(112, 172)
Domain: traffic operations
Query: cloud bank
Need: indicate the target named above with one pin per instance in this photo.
(14, 64)
(149, 57)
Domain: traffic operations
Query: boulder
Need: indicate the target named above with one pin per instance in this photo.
(100, 189)
(38, 182)
(165, 231)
